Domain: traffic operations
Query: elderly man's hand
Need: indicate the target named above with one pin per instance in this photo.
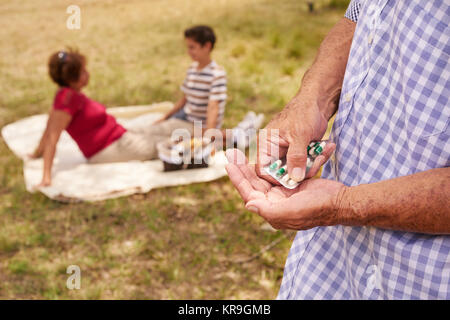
(315, 202)
(288, 134)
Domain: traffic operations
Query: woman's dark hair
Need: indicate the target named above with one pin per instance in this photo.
(65, 67)
(201, 34)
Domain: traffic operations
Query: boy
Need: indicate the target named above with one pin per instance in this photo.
(205, 88)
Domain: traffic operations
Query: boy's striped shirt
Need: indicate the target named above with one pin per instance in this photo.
(201, 86)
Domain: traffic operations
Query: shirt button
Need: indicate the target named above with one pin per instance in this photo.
(348, 97)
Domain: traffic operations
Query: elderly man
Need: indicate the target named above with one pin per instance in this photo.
(377, 225)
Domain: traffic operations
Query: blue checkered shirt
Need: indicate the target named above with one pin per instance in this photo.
(393, 120)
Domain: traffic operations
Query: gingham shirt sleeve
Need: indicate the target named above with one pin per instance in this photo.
(352, 12)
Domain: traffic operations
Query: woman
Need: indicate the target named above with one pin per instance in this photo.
(97, 134)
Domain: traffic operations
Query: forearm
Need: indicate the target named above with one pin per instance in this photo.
(58, 121)
(418, 203)
(40, 148)
(177, 106)
(212, 115)
(48, 155)
(322, 82)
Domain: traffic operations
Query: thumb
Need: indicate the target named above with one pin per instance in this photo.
(259, 206)
(296, 158)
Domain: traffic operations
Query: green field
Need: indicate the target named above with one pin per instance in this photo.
(189, 242)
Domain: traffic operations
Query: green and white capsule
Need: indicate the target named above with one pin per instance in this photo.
(310, 146)
(313, 148)
(282, 171)
(274, 166)
(319, 148)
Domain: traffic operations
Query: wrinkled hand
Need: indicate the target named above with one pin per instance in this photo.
(315, 202)
(288, 134)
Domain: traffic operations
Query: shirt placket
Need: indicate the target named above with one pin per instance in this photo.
(373, 285)
(371, 20)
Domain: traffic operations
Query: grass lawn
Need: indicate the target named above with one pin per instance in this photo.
(175, 243)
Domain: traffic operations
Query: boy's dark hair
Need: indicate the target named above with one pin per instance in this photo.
(201, 34)
(65, 67)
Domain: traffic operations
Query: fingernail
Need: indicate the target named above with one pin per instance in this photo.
(253, 209)
(298, 174)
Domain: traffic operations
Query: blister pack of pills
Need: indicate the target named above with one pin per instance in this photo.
(278, 168)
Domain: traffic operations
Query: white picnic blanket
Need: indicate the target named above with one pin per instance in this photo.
(73, 179)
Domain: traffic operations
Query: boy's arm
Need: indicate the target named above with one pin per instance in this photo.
(218, 93)
(177, 106)
(211, 114)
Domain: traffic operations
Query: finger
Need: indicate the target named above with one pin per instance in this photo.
(271, 147)
(272, 212)
(238, 158)
(263, 157)
(236, 178)
(320, 160)
(267, 177)
(243, 186)
(278, 213)
(261, 207)
(257, 183)
(296, 158)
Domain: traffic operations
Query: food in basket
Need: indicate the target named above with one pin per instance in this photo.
(185, 154)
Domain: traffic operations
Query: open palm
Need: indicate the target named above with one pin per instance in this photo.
(313, 203)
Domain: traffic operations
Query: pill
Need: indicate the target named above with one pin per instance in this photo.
(275, 165)
(292, 182)
(310, 146)
(285, 178)
(318, 150)
(281, 171)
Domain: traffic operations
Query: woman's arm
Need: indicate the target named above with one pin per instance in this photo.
(58, 121)
(37, 153)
